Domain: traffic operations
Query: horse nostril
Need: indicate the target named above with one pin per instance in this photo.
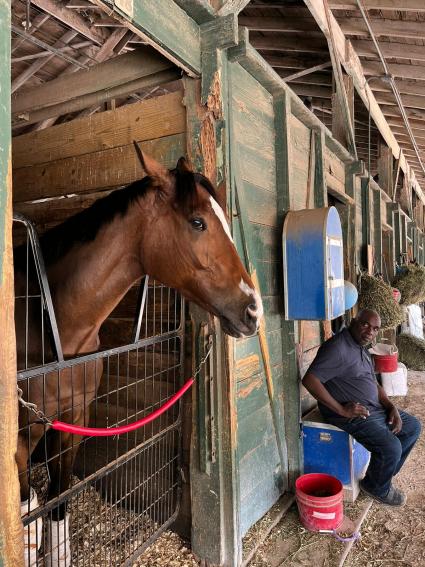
(251, 313)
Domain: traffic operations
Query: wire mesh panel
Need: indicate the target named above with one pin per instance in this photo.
(96, 500)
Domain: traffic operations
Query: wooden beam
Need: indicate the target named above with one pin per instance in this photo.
(393, 28)
(91, 99)
(106, 75)
(289, 44)
(93, 172)
(366, 48)
(345, 96)
(405, 86)
(165, 26)
(71, 19)
(409, 101)
(37, 65)
(295, 25)
(293, 62)
(396, 5)
(41, 54)
(232, 7)
(36, 24)
(320, 79)
(153, 118)
(81, 4)
(412, 113)
(415, 72)
(309, 71)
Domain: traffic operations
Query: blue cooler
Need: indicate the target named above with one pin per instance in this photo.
(328, 449)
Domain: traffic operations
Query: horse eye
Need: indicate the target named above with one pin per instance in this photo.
(198, 224)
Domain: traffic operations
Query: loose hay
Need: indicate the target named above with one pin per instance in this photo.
(378, 295)
(411, 283)
(411, 351)
(101, 534)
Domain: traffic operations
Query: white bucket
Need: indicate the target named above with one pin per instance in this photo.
(395, 383)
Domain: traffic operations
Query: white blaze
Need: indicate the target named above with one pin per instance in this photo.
(220, 213)
(250, 292)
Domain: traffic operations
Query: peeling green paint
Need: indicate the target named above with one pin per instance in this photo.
(4, 120)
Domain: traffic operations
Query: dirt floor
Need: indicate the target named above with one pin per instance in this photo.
(389, 537)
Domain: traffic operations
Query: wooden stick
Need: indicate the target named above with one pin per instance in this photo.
(286, 503)
(359, 522)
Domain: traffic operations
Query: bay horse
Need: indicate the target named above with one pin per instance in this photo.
(169, 225)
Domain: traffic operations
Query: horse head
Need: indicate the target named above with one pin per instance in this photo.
(188, 246)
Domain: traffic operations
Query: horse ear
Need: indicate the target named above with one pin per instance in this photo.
(183, 166)
(221, 196)
(151, 166)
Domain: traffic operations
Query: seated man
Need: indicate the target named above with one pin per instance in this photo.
(342, 380)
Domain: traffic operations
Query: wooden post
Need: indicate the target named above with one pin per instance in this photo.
(366, 228)
(385, 169)
(291, 382)
(11, 534)
(339, 125)
(377, 221)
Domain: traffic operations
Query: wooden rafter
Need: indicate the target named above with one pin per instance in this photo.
(353, 67)
(414, 72)
(286, 24)
(365, 48)
(289, 44)
(71, 19)
(36, 24)
(383, 27)
(400, 6)
(37, 65)
(308, 71)
(41, 54)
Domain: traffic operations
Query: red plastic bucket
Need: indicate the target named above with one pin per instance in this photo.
(319, 499)
(386, 363)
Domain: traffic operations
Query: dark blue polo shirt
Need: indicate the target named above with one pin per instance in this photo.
(346, 370)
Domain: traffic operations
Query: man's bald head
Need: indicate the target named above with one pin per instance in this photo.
(365, 326)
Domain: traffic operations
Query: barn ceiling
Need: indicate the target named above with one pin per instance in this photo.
(54, 39)
(288, 37)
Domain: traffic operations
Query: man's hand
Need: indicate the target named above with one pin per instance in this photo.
(353, 410)
(394, 419)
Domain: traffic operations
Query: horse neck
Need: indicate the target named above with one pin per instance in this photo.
(90, 280)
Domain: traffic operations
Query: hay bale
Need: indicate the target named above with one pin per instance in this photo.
(378, 295)
(411, 283)
(411, 351)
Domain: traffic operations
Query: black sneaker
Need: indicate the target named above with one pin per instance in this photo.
(395, 497)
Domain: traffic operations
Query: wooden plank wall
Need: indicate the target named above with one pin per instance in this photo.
(94, 154)
(261, 479)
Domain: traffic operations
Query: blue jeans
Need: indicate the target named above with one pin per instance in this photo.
(388, 451)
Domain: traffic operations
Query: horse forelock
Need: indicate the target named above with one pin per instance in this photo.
(187, 197)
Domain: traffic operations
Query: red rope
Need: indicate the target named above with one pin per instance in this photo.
(109, 431)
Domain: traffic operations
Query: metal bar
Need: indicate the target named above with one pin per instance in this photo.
(42, 278)
(141, 310)
(82, 485)
(60, 365)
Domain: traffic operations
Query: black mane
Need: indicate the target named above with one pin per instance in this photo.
(85, 225)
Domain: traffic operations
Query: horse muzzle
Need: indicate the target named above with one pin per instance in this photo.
(245, 325)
